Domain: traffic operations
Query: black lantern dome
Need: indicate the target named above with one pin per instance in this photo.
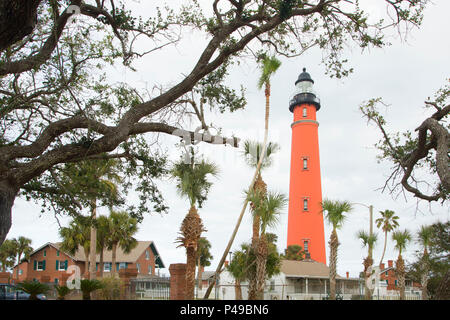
(304, 92)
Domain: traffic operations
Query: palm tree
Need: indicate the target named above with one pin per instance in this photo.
(204, 258)
(425, 236)
(23, 247)
(7, 254)
(102, 228)
(62, 291)
(388, 222)
(193, 184)
(334, 213)
(77, 234)
(401, 239)
(122, 227)
(268, 207)
(238, 268)
(369, 241)
(88, 286)
(269, 67)
(33, 288)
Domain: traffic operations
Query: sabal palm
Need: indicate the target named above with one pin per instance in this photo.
(369, 241)
(122, 227)
(33, 288)
(335, 215)
(7, 254)
(424, 237)
(388, 222)
(268, 207)
(401, 238)
(193, 184)
(238, 268)
(77, 234)
(23, 247)
(102, 231)
(204, 258)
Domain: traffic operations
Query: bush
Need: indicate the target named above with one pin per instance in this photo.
(112, 288)
(87, 286)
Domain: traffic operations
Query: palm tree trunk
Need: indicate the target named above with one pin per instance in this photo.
(424, 278)
(384, 249)
(367, 292)
(334, 243)
(113, 259)
(237, 289)
(86, 263)
(401, 276)
(191, 254)
(101, 264)
(93, 244)
(261, 260)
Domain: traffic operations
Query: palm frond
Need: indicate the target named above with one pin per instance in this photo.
(334, 211)
(268, 67)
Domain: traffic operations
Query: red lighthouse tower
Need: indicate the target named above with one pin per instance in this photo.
(305, 217)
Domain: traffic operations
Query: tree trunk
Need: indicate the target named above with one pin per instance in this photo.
(199, 275)
(86, 263)
(261, 260)
(7, 196)
(334, 243)
(191, 254)
(384, 249)
(101, 264)
(367, 263)
(113, 259)
(93, 244)
(401, 276)
(237, 289)
(424, 278)
(17, 20)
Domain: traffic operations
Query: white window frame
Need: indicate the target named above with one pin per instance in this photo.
(106, 265)
(150, 270)
(42, 266)
(147, 254)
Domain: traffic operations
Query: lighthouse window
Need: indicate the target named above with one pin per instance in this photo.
(305, 246)
(304, 112)
(305, 204)
(305, 163)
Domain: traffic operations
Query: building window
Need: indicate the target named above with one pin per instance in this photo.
(305, 204)
(45, 253)
(122, 265)
(138, 267)
(107, 267)
(387, 281)
(149, 269)
(40, 265)
(20, 272)
(395, 282)
(305, 163)
(147, 255)
(56, 280)
(57, 253)
(306, 246)
(304, 112)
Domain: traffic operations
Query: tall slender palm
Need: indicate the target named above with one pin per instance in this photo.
(122, 227)
(268, 207)
(425, 236)
(75, 235)
(334, 213)
(103, 231)
(192, 183)
(401, 239)
(388, 222)
(269, 67)
(23, 247)
(369, 241)
(238, 268)
(204, 258)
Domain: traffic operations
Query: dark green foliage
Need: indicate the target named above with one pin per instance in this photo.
(88, 286)
(33, 288)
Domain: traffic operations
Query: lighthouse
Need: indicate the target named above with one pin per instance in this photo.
(305, 217)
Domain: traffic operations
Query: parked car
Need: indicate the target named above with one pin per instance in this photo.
(11, 292)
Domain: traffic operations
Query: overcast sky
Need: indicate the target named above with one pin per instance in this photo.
(404, 74)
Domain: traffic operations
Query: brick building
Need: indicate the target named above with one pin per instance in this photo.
(49, 264)
(388, 275)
